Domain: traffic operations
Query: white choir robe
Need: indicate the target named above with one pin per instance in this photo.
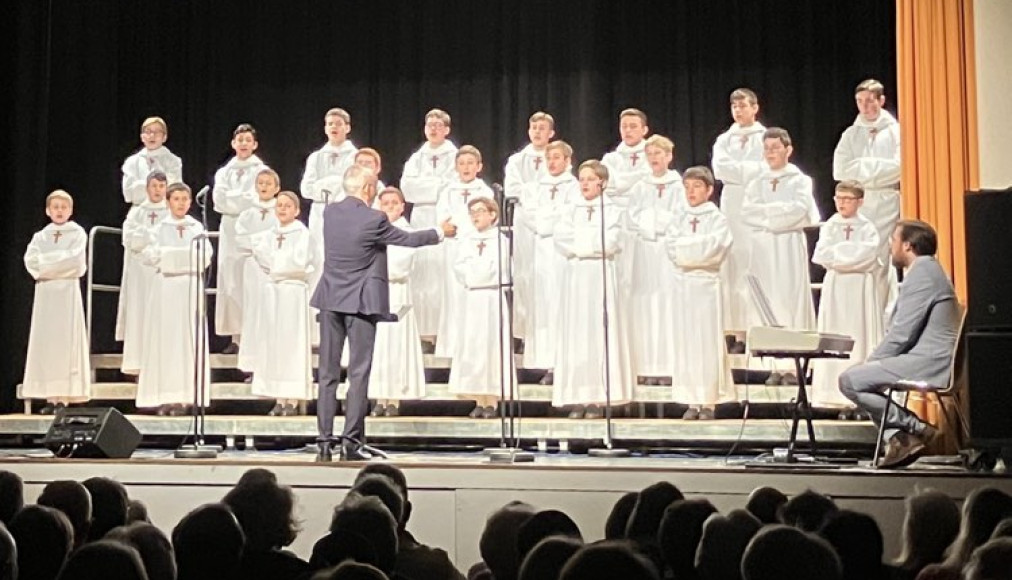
(698, 242)
(398, 366)
(554, 193)
(282, 349)
(580, 360)
(778, 206)
(481, 364)
(323, 184)
(138, 277)
(57, 365)
(139, 166)
(737, 160)
(452, 205)
(627, 166)
(653, 204)
(169, 358)
(426, 173)
(869, 153)
(234, 192)
(523, 170)
(848, 249)
(252, 221)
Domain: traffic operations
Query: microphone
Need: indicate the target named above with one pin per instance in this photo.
(202, 195)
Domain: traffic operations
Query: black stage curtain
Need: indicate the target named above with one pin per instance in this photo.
(86, 72)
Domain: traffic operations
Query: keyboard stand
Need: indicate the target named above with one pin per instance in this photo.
(801, 404)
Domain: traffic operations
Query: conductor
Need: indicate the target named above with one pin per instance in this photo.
(352, 297)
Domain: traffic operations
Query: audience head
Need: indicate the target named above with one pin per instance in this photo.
(395, 475)
(109, 504)
(911, 239)
(382, 488)
(939, 571)
(778, 552)
(334, 548)
(137, 512)
(649, 509)
(679, 533)
(764, 502)
(857, 540)
(208, 542)
(104, 560)
(265, 510)
(806, 511)
(12, 495)
(542, 525)
(992, 561)
(44, 537)
(547, 558)
(929, 527)
(8, 554)
(722, 544)
(369, 517)
(73, 499)
(608, 560)
(351, 571)
(153, 546)
(498, 542)
(983, 509)
(618, 519)
(257, 475)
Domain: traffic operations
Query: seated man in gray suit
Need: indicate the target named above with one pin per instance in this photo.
(918, 344)
(352, 297)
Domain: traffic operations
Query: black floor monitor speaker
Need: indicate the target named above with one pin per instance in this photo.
(988, 259)
(990, 372)
(97, 433)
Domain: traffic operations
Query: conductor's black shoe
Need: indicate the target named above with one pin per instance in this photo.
(350, 452)
(324, 454)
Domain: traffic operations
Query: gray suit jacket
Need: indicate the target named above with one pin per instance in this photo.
(922, 334)
(354, 279)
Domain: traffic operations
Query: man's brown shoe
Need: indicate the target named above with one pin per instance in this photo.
(903, 450)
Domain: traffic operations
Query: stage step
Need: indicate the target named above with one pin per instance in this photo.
(771, 432)
(238, 391)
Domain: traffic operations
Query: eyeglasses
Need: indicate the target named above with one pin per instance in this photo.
(847, 198)
(152, 132)
(478, 211)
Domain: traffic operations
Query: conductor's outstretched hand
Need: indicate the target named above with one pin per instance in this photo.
(449, 230)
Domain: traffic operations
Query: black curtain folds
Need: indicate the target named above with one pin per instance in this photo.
(86, 72)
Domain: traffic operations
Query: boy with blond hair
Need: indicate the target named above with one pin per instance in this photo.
(453, 205)
(57, 258)
(154, 156)
(778, 206)
(370, 159)
(138, 276)
(848, 249)
(549, 200)
(737, 160)
(260, 217)
(426, 173)
(234, 191)
(481, 363)
(653, 204)
(580, 378)
(697, 242)
(281, 347)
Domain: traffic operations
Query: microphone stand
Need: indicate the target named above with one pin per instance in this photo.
(511, 453)
(608, 450)
(198, 255)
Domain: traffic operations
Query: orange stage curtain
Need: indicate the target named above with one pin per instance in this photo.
(938, 120)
